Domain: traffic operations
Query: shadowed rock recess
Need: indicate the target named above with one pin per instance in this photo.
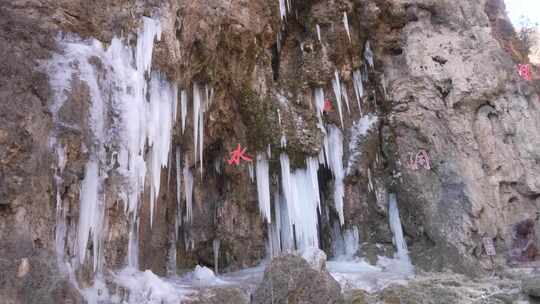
(117, 119)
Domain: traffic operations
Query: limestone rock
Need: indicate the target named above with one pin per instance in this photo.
(315, 257)
(290, 279)
(531, 286)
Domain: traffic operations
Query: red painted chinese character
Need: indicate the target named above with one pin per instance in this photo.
(524, 71)
(238, 154)
(421, 160)
(328, 106)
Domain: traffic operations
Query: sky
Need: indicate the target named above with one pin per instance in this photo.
(519, 8)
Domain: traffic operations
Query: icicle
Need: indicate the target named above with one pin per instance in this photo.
(217, 166)
(279, 117)
(319, 32)
(201, 138)
(345, 96)
(312, 169)
(171, 265)
(346, 23)
(251, 173)
(319, 102)
(283, 141)
(188, 189)
(263, 186)
(368, 54)
(269, 151)
(335, 143)
(358, 88)
(302, 200)
(215, 246)
(196, 116)
(178, 191)
(159, 124)
(337, 91)
(90, 214)
(183, 109)
(370, 183)
(282, 9)
(395, 226)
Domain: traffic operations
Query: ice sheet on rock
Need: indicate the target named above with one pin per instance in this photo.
(359, 130)
(336, 85)
(147, 288)
(263, 186)
(359, 274)
(345, 246)
(335, 146)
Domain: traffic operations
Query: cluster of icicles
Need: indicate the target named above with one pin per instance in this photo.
(133, 112)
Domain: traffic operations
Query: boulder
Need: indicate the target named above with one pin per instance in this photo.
(531, 286)
(290, 279)
(315, 257)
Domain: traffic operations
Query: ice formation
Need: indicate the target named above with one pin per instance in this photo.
(336, 85)
(263, 186)
(183, 108)
(395, 226)
(359, 130)
(335, 162)
(216, 244)
(358, 88)
(188, 190)
(146, 115)
(301, 201)
(368, 54)
(346, 24)
(147, 288)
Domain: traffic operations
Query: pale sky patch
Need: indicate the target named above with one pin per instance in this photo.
(519, 10)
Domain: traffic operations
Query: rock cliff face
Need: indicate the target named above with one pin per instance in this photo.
(400, 77)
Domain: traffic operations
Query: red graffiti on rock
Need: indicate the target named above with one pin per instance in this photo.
(237, 155)
(328, 106)
(524, 71)
(421, 160)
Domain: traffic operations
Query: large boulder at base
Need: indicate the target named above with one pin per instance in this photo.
(531, 286)
(290, 279)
